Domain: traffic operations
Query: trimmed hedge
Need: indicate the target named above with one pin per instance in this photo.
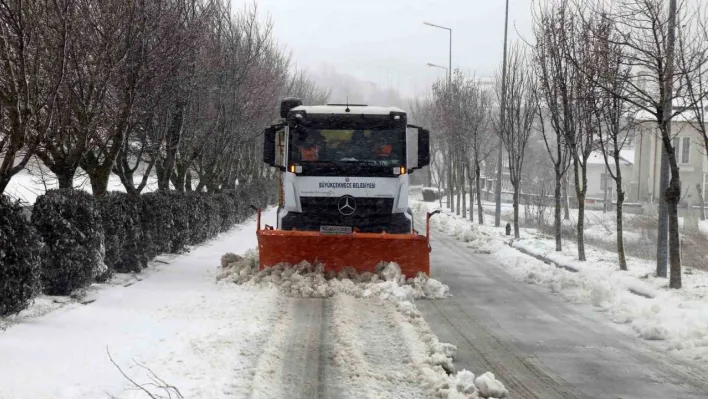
(120, 215)
(20, 259)
(197, 213)
(75, 239)
(71, 227)
(430, 194)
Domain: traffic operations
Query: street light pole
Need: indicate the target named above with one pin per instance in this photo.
(502, 125)
(449, 85)
(430, 64)
(449, 70)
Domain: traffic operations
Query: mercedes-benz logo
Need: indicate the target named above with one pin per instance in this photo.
(346, 205)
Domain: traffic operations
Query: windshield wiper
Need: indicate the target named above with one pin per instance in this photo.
(333, 163)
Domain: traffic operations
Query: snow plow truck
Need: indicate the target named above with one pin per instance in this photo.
(343, 174)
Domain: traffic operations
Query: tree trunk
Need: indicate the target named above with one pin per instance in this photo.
(580, 193)
(557, 214)
(163, 179)
(472, 190)
(674, 247)
(126, 178)
(180, 178)
(620, 238)
(99, 181)
(566, 199)
(463, 187)
(673, 196)
(701, 203)
(65, 176)
(516, 211)
(604, 194)
(173, 138)
(662, 241)
(480, 210)
(450, 187)
(188, 181)
(459, 189)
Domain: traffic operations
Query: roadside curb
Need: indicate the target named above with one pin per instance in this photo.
(549, 261)
(542, 258)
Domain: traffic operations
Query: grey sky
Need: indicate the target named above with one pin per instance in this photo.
(385, 41)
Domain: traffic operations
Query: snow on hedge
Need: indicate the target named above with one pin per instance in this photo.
(386, 294)
(635, 297)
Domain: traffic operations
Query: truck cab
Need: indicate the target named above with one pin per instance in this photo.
(344, 168)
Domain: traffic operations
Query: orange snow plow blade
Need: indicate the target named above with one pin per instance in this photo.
(361, 251)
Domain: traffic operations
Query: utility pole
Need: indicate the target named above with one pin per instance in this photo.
(449, 86)
(662, 244)
(502, 106)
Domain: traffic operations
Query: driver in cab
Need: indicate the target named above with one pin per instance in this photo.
(311, 146)
(381, 148)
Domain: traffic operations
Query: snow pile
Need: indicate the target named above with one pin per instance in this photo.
(310, 281)
(635, 298)
(479, 240)
(490, 387)
(703, 227)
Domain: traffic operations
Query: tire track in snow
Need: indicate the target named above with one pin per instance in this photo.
(294, 363)
(372, 352)
(339, 347)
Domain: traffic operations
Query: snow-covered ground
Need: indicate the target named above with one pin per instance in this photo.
(679, 318)
(27, 186)
(201, 337)
(186, 323)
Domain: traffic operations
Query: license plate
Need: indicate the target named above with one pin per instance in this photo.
(335, 229)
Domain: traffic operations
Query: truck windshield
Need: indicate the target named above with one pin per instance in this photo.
(365, 147)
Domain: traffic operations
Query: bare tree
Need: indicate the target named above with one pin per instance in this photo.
(482, 142)
(95, 51)
(556, 116)
(614, 117)
(462, 113)
(647, 29)
(517, 126)
(585, 95)
(33, 44)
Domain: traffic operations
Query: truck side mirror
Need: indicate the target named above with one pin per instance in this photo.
(423, 148)
(269, 146)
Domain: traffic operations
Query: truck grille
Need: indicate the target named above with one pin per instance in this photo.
(329, 206)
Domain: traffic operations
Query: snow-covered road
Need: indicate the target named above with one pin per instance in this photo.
(539, 345)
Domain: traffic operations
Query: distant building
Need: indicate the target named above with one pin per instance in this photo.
(600, 182)
(692, 161)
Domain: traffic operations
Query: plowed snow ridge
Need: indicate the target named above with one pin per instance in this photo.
(380, 344)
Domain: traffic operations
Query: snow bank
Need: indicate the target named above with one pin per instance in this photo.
(479, 240)
(703, 227)
(635, 298)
